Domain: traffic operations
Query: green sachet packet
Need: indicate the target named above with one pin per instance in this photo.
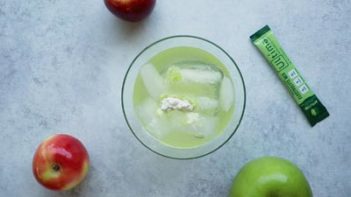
(270, 48)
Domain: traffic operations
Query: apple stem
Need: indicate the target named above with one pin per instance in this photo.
(55, 167)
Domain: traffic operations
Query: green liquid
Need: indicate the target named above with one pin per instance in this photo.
(190, 74)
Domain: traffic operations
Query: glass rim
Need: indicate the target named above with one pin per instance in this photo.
(153, 44)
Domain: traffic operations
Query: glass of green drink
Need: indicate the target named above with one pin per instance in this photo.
(183, 97)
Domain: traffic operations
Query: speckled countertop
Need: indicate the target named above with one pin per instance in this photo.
(61, 69)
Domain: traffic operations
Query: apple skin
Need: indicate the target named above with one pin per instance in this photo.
(60, 162)
(130, 10)
(270, 177)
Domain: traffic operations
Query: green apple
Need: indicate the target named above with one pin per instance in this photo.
(270, 177)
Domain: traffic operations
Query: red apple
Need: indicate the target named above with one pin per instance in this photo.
(60, 162)
(130, 10)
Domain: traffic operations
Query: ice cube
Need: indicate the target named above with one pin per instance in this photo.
(158, 127)
(192, 118)
(153, 81)
(201, 76)
(204, 127)
(226, 94)
(197, 125)
(151, 119)
(206, 103)
(147, 110)
(171, 121)
(195, 72)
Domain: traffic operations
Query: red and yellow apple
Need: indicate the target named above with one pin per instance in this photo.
(130, 10)
(60, 162)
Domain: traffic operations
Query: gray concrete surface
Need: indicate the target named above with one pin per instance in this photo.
(61, 69)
